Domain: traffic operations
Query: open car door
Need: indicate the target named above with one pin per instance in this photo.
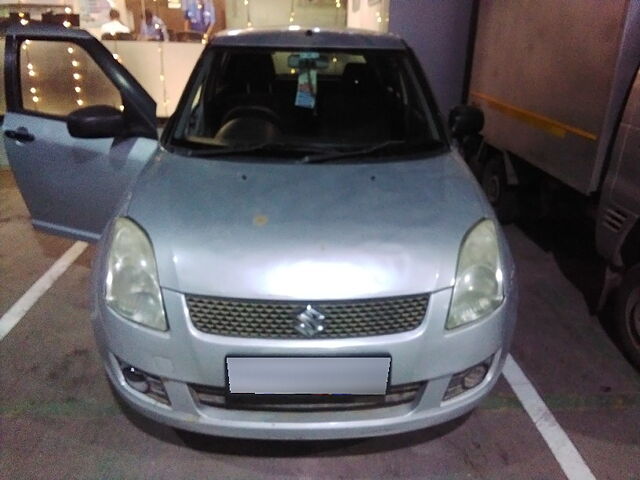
(78, 128)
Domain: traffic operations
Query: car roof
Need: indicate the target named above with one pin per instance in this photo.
(299, 37)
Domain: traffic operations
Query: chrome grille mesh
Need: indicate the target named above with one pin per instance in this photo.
(344, 319)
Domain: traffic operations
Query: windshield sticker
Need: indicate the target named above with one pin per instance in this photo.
(307, 81)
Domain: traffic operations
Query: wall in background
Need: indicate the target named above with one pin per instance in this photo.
(438, 31)
(270, 13)
(368, 14)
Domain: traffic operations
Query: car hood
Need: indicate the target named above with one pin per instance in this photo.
(321, 231)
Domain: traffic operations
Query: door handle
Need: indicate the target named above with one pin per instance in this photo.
(20, 135)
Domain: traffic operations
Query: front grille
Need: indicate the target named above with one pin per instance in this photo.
(218, 397)
(277, 319)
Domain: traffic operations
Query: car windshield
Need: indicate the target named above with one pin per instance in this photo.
(309, 105)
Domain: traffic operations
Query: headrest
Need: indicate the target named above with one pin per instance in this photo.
(253, 68)
(357, 73)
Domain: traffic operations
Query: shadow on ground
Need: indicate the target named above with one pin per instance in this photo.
(571, 241)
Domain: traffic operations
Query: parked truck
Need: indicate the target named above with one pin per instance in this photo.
(559, 86)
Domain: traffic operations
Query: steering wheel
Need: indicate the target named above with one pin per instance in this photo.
(253, 111)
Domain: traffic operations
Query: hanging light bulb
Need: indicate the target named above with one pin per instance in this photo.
(77, 76)
(75, 63)
(70, 50)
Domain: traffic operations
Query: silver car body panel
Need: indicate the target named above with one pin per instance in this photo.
(325, 215)
(311, 232)
(84, 180)
(183, 355)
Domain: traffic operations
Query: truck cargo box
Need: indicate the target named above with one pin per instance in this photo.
(549, 76)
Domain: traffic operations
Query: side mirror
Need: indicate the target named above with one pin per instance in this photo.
(465, 120)
(98, 121)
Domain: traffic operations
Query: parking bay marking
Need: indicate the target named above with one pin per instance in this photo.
(566, 453)
(563, 449)
(19, 309)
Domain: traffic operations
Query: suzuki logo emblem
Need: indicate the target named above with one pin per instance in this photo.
(309, 322)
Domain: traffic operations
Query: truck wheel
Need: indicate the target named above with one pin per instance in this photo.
(626, 314)
(501, 197)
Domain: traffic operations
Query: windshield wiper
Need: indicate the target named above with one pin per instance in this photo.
(261, 147)
(325, 157)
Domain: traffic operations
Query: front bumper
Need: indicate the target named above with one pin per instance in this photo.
(184, 356)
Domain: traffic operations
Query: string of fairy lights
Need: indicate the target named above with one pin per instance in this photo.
(35, 98)
(76, 75)
(36, 95)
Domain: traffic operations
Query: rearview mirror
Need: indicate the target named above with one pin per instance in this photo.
(98, 121)
(465, 120)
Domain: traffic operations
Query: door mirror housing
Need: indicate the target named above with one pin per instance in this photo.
(98, 121)
(465, 120)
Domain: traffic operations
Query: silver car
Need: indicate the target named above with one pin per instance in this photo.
(301, 255)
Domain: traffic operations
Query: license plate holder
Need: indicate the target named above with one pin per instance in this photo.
(308, 375)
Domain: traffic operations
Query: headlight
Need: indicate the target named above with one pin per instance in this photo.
(132, 288)
(478, 290)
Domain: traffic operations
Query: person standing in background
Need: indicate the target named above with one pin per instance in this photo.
(114, 25)
(199, 15)
(153, 28)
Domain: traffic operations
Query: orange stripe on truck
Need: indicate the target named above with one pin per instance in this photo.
(534, 119)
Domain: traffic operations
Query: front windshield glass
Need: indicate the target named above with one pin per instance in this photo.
(305, 103)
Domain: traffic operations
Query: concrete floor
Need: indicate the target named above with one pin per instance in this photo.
(59, 419)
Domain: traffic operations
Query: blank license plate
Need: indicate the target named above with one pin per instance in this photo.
(308, 375)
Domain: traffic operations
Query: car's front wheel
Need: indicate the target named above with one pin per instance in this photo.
(627, 314)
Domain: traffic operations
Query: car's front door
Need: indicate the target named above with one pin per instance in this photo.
(71, 185)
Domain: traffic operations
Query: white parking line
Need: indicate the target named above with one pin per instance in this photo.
(566, 453)
(31, 296)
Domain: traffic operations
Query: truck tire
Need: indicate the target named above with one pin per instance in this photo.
(626, 314)
(500, 195)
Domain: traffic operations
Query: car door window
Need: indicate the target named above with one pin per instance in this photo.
(59, 77)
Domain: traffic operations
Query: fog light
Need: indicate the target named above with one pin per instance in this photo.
(144, 382)
(474, 376)
(467, 379)
(135, 379)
